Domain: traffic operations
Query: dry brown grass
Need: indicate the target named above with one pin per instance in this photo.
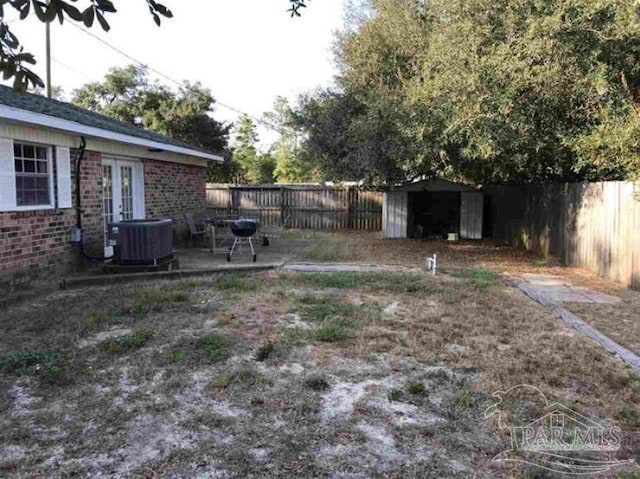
(619, 321)
(505, 335)
(508, 338)
(370, 247)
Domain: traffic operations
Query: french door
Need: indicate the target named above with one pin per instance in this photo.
(122, 194)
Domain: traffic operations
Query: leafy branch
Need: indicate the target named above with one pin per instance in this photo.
(296, 6)
(14, 61)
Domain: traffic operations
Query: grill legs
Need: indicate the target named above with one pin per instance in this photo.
(237, 242)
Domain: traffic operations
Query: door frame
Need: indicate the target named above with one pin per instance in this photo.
(137, 185)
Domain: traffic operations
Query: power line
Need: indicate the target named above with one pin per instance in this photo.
(70, 68)
(173, 80)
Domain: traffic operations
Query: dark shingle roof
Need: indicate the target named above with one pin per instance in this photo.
(66, 111)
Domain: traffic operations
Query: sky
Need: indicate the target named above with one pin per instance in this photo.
(247, 52)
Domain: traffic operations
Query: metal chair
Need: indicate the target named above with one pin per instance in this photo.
(196, 229)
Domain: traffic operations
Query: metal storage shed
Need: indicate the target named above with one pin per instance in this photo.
(432, 208)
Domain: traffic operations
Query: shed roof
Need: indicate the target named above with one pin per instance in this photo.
(432, 184)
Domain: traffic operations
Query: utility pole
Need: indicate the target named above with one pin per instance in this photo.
(48, 40)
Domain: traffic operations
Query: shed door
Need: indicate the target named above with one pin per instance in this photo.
(395, 214)
(471, 206)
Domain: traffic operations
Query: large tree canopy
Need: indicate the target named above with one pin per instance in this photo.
(14, 61)
(128, 95)
(488, 90)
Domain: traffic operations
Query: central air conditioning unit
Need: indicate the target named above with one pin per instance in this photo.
(141, 242)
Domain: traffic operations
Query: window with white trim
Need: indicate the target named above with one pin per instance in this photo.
(33, 174)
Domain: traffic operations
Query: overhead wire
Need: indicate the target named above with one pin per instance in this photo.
(171, 79)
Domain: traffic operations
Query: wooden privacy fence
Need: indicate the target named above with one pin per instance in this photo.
(590, 225)
(299, 206)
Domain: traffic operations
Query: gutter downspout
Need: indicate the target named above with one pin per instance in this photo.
(92, 258)
(83, 148)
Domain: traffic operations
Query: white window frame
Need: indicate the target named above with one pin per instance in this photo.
(52, 191)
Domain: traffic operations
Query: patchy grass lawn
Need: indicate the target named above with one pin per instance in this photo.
(291, 375)
(619, 321)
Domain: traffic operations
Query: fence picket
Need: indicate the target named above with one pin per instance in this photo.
(302, 207)
(589, 225)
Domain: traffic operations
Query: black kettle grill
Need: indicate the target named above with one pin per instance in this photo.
(243, 230)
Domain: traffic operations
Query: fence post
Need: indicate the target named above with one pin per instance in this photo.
(351, 208)
(282, 206)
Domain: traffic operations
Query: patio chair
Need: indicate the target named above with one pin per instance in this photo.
(197, 229)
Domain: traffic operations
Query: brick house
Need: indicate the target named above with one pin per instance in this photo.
(50, 149)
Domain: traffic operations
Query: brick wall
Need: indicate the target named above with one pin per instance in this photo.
(37, 243)
(91, 202)
(33, 243)
(172, 189)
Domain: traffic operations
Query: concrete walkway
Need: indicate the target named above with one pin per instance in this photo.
(347, 267)
(550, 292)
(558, 290)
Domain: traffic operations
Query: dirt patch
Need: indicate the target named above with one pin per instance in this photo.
(23, 400)
(103, 336)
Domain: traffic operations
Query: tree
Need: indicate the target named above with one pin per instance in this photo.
(252, 166)
(57, 92)
(128, 95)
(367, 129)
(291, 165)
(14, 60)
(485, 90)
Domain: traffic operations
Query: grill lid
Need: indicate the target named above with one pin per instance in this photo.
(244, 228)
